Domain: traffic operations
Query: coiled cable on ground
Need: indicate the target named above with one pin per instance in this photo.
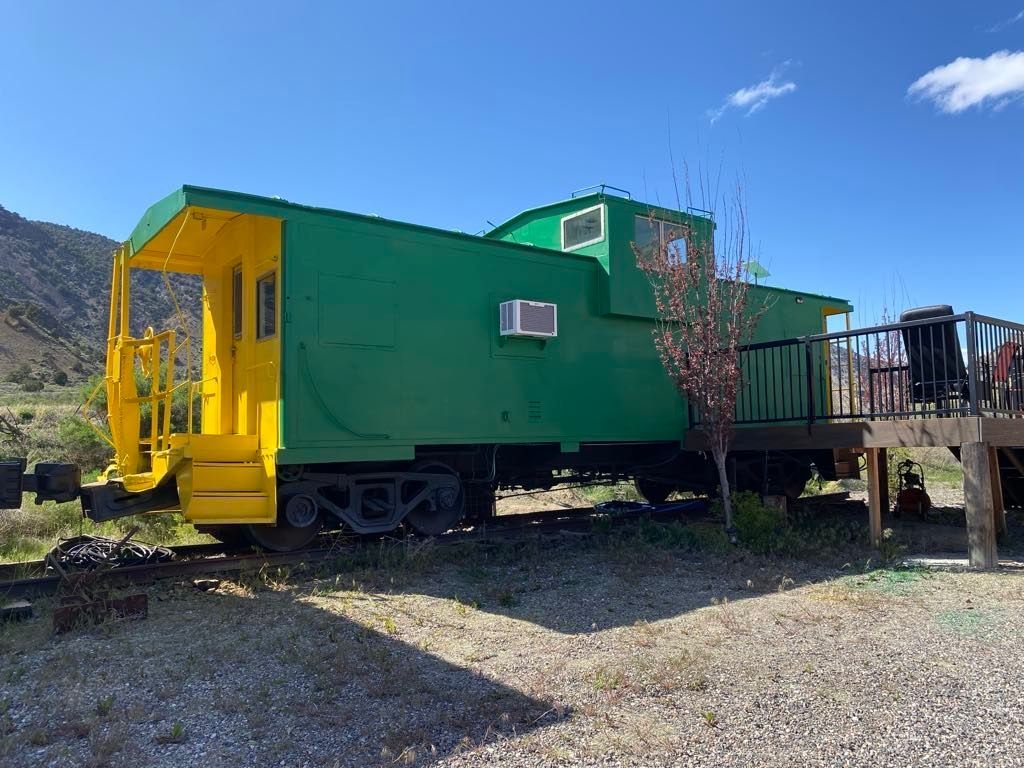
(87, 553)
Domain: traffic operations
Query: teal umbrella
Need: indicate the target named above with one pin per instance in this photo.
(756, 271)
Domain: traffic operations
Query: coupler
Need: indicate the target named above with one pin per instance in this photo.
(49, 481)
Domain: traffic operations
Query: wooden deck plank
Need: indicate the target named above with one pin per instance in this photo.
(1002, 432)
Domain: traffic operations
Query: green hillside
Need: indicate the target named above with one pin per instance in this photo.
(54, 297)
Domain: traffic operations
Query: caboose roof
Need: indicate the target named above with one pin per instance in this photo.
(578, 202)
(162, 228)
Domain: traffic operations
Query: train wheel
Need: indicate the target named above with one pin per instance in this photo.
(298, 523)
(448, 506)
(653, 491)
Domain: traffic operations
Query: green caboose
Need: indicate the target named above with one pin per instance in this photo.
(368, 372)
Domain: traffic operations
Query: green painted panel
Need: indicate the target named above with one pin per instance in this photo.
(356, 311)
(448, 376)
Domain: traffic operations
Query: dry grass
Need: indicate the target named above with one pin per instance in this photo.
(558, 657)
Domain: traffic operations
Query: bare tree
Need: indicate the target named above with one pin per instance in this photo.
(701, 286)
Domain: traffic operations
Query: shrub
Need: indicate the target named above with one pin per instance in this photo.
(32, 385)
(19, 374)
(60, 379)
(99, 402)
(26, 415)
(81, 445)
(758, 527)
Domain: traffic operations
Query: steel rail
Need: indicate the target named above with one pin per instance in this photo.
(210, 559)
(196, 559)
(204, 559)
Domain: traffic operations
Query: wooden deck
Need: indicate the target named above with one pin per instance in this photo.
(904, 433)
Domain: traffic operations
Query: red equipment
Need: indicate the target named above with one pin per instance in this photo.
(911, 498)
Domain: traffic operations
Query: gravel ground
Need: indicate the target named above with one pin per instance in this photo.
(562, 653)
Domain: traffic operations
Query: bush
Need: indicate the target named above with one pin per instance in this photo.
(95, 385)
(758, 527)
(19, 374)
(81, 445)
(60, 379)
(26, 415)
(32, 385)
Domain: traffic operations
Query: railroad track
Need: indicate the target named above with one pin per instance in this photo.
(31, 579)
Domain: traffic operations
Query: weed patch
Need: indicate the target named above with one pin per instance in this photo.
(891, 581)
(608, 678)
(965, 621)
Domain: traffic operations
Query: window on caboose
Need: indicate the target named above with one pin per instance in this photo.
(266, 306)
(236, 302)
(649, 234)
(583, 228)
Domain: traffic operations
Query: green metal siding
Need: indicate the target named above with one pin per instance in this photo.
(423, 362)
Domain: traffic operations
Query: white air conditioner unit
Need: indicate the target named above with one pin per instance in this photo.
(520, 317)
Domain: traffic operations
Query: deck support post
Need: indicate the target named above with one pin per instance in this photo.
(874, 495)
(978, 501)
(883, 479)
(998, 507)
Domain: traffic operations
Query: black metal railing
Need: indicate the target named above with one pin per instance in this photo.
(953, 365)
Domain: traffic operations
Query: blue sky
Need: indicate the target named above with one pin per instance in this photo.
(879, 143)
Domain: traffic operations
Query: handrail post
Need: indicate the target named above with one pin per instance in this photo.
(810, 385)
(168, 390)
(972, 365)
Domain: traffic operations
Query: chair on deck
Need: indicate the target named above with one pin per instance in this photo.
(937, 373)
(1007, 378)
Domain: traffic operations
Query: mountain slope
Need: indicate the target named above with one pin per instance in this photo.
(54, 298)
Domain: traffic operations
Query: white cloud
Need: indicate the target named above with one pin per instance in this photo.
(968, 82)
(754, 97)
(1019, 16)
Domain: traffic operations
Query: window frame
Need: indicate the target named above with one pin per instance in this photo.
(684, 230)
(237, 281)
(260, 336)
(561, 227)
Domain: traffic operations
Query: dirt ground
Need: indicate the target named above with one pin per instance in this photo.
(563, 651)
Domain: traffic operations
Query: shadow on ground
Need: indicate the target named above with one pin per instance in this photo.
(239, 678)
(327, 671)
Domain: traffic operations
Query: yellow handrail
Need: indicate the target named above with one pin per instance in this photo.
(85, 414)
(182, 320)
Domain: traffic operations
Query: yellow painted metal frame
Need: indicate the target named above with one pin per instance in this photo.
(226, 472)
(826, 313)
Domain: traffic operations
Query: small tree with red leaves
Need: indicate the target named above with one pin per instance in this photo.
(704, 318)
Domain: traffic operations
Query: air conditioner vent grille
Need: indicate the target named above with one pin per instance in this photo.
(520, 317)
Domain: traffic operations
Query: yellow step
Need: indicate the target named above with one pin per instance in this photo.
(231, 508)
(215, 448)
(228, 477)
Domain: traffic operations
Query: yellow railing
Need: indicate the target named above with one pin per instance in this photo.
(149, 351)
(156, 355)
